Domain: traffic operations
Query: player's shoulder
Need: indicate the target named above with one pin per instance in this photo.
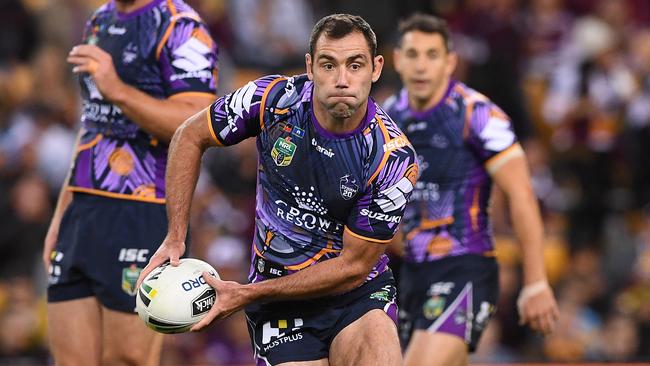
(382, 127)
(178, 12)
(391, 155)
(387, 144)
(469, 96)
(283, 91)
(387, 125)
(104, 11)
(396, 103)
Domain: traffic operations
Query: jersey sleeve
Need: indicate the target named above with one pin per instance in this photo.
(378, 212)
(239, 115)
(492, 136)
(187, 57)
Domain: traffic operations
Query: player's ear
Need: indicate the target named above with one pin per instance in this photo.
(378, 64)
(452, 62)
(309, 65)
(397, 59)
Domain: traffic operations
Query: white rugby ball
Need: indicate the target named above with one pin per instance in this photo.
(172, 299)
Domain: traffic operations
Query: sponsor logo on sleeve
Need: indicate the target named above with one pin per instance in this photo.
(191, 57)
(396, 143)
(394, 198)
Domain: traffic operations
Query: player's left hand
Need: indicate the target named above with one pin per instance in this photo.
(538, 310)
(229, 299)
(99, 64)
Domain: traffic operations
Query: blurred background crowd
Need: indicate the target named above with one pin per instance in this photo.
(574, 75)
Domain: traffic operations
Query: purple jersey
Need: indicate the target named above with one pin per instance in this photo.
(164, 50)
(459, 141)
(312, 184)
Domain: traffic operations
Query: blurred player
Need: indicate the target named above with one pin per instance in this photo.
(144, 67)
(334, 177)
(449, 283)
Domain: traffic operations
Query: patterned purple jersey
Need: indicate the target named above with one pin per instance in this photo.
(313, 184)
(458, 142)
(164, 50)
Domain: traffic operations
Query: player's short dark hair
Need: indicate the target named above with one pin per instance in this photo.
(427, 24)
(338, 26)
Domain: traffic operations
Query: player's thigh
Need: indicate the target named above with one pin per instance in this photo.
(370, 340)
(322, 362)
(75, 331)
(435, 349)
(128, 341)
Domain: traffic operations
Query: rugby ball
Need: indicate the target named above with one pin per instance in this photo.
(172, 299)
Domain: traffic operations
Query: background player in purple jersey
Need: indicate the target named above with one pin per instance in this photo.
(144, 65)
(449, 283)
(334, 176)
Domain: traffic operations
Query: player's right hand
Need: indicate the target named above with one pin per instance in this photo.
(170, 249)
(539, 310)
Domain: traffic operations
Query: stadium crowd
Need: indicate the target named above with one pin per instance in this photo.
(574, 75)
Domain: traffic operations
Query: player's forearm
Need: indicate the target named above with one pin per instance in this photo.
(65, 195)
(331, 277)
(159, 117)
(183, 166)
(527, 224)
(64, 200)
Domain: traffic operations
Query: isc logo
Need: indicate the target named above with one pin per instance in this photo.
(193, 283)
(396, 143)
(133, 255)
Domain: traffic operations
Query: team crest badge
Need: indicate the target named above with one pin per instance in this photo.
(283, 150)
(260, 265)
(348, 187)
(130, 278)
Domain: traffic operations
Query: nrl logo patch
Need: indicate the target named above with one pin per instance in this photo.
(283, 150)
(434, 307)
(348, 187)
(130, 278)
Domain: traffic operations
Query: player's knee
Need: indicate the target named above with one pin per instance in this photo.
(127, 356)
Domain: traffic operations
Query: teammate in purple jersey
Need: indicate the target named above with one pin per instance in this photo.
(144, 66)
(449, 284)
(334, 176)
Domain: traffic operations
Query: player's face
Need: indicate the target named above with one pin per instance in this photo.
(424, 64)
(342, 71)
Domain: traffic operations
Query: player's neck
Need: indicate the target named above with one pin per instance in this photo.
(339, 125)
(130, 6)
(420, 105)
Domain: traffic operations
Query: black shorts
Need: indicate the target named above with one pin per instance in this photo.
(304, 330)
(103, 244)
(454, 295)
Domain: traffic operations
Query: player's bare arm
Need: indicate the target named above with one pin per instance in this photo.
(62, 203)
(160, 117)
(537, 304)
(331, 277)
(187, 146)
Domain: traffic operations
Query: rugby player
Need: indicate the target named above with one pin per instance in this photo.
(144, 67)
(449, 279)
(334, 176)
